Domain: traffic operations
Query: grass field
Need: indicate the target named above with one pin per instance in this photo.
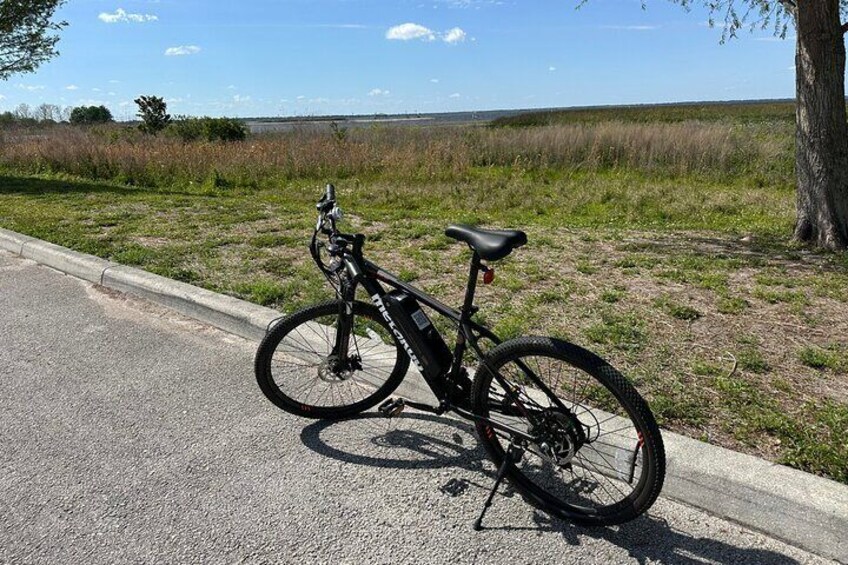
(662, 244)
(731, 112)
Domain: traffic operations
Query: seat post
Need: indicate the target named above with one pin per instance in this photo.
(472, 286)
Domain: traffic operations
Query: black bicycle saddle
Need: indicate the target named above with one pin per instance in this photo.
(490, 245)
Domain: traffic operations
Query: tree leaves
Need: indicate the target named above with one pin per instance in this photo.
(25, 39)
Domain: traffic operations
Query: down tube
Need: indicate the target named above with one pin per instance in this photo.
(377, 293)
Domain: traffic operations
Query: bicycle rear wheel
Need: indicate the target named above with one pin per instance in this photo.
(297, 371)
(597, 457)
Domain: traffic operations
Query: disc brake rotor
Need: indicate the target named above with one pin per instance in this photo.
(560, 436)
(331, 370)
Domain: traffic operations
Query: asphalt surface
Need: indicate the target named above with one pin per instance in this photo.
(131, 435)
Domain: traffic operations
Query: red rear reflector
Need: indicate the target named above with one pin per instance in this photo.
(489, 276)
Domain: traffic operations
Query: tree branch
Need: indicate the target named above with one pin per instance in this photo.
(844, 28)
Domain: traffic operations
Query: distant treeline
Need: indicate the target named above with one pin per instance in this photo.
(49, 114)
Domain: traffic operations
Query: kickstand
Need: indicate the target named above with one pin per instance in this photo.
(513, 455)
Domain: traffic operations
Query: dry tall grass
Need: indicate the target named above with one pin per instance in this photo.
(399, 154)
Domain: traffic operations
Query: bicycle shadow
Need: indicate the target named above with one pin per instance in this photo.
(414, 449)
(647, 539)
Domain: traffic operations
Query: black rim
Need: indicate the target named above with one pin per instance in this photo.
(304, 370)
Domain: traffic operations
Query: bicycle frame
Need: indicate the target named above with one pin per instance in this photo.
(370, 276)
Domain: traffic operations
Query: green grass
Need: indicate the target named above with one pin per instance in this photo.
(775, 296)
(264, 292)
(731, 304)
(621, 331)
(821, 448)
(613, 295)
(813, 439)
(819, 358)
(750, 359)
(676, 309)
(706, 368)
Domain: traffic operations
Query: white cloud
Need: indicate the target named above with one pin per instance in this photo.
(455, 95)
(239, 99)
(122, 16)
(29, 88)
(551, 68)
(407, 31)
(434, 80)
(379, 92)
(72, 87)
(182, 50)
(454, 35)
(2, 97)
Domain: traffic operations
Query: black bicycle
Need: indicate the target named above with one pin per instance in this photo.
(568, 430)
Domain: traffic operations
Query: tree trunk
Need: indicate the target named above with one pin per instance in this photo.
(821, 131)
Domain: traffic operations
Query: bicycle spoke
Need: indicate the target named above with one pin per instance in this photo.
(303, 370)
(592, 477)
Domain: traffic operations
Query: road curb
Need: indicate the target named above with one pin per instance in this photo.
(230, 314)
(799, 508)
(802, 509)
(80, 265)
(13, 241)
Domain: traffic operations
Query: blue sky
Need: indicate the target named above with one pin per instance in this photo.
(314, 57)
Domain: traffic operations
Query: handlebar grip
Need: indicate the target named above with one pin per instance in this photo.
(330, 192)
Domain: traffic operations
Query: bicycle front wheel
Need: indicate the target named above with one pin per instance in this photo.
(298, 371)
(596, 457)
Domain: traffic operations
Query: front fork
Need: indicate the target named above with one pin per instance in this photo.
(344, 324)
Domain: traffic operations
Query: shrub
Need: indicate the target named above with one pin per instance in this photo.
(187, 129)
(7, 119)
(225, 129)
(85, 115)
(208, 129)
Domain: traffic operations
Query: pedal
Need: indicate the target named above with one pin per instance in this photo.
(392, 407)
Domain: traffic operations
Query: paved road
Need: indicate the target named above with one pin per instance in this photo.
(130, 435)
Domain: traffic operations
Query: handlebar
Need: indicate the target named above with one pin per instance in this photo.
(339, 244)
